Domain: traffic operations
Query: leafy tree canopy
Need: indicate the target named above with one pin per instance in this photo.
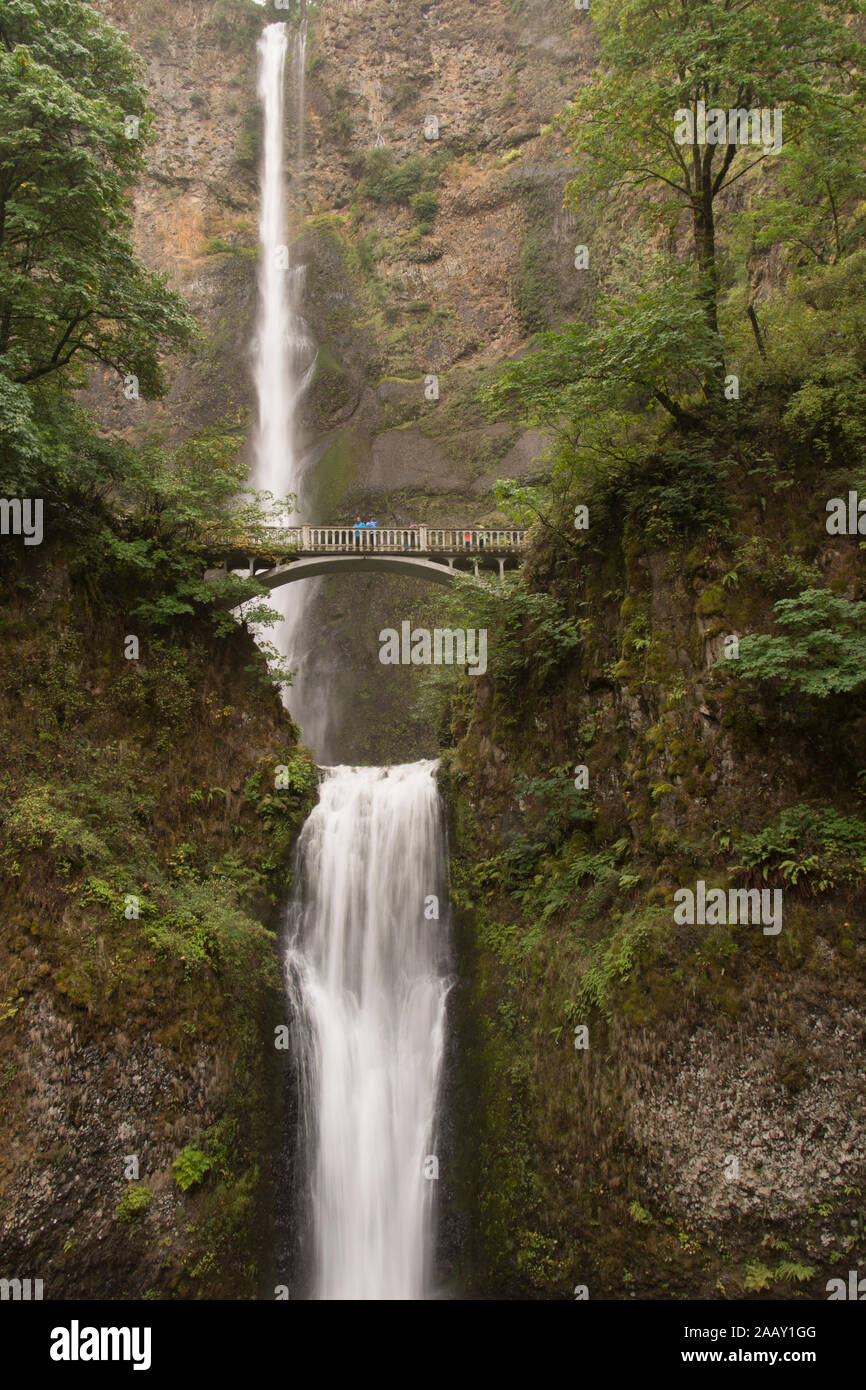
(72, 290)
(664, 56)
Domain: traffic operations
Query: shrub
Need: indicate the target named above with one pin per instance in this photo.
(386, 181)
(237, 24)
(425, 206)
(191, 1167)
(248, 147)
(823, 651)
(133, 1204)
(688, 497)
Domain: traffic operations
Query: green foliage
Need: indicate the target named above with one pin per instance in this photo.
(339, 125)
(236, 24)
(528, 632)
(815, 205)
(614, 959)
(133, 1204)
(552, 805)
(586, 381)
(791, 55)
(425, 206)
(771, 564)
(823, 649)
(248, 146)
(792, 1272)
(529, 638)
(176, 508)
(191, 1167)
(408, 90)
(197, 920)
(531, 286)
(759, 1277)
(300, 778)
(72, 290)
(49, 817)
(386, 181)
(688, 496)
(813, 848)
(821, 359)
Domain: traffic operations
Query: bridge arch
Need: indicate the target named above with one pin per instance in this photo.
(309, 567)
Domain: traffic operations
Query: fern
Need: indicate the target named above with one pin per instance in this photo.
(790, 1272)
(758, 1277)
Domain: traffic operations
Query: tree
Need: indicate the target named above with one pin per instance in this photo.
(73, 123)
(651, 350)
(662, 59)
(173, 511)
(816, 206)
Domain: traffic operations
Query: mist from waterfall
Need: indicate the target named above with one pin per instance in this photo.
(367, 974)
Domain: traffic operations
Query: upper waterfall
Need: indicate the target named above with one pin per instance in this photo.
(284, 351)
(274, 457)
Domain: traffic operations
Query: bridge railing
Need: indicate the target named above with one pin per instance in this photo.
(429, 539)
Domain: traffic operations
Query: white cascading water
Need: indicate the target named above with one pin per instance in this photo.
(285, 355)
(274, 460)
(367, 973)
(366, 970)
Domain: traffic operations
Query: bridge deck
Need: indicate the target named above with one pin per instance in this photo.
(425, 540)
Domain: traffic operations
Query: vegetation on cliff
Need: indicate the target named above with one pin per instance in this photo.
(692, 712)
(151, 783)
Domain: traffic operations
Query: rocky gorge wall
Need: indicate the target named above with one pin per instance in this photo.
(648, 1109)
(394, 292)
(144, 859)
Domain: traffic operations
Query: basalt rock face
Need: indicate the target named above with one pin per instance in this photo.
(396, 292)
(388, 292)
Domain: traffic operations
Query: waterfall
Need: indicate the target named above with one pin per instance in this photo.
(275, 467)
(365, 969)
(367, 976)
(285, 356)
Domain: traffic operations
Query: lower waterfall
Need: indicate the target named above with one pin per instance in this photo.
(367, 971)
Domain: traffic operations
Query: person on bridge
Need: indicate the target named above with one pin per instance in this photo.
(359, 526)
(468, 540)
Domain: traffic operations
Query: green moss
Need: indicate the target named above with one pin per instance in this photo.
(332, 477)
(712, 601)
(331, 385)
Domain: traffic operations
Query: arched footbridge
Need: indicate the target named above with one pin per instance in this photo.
(427, 552)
